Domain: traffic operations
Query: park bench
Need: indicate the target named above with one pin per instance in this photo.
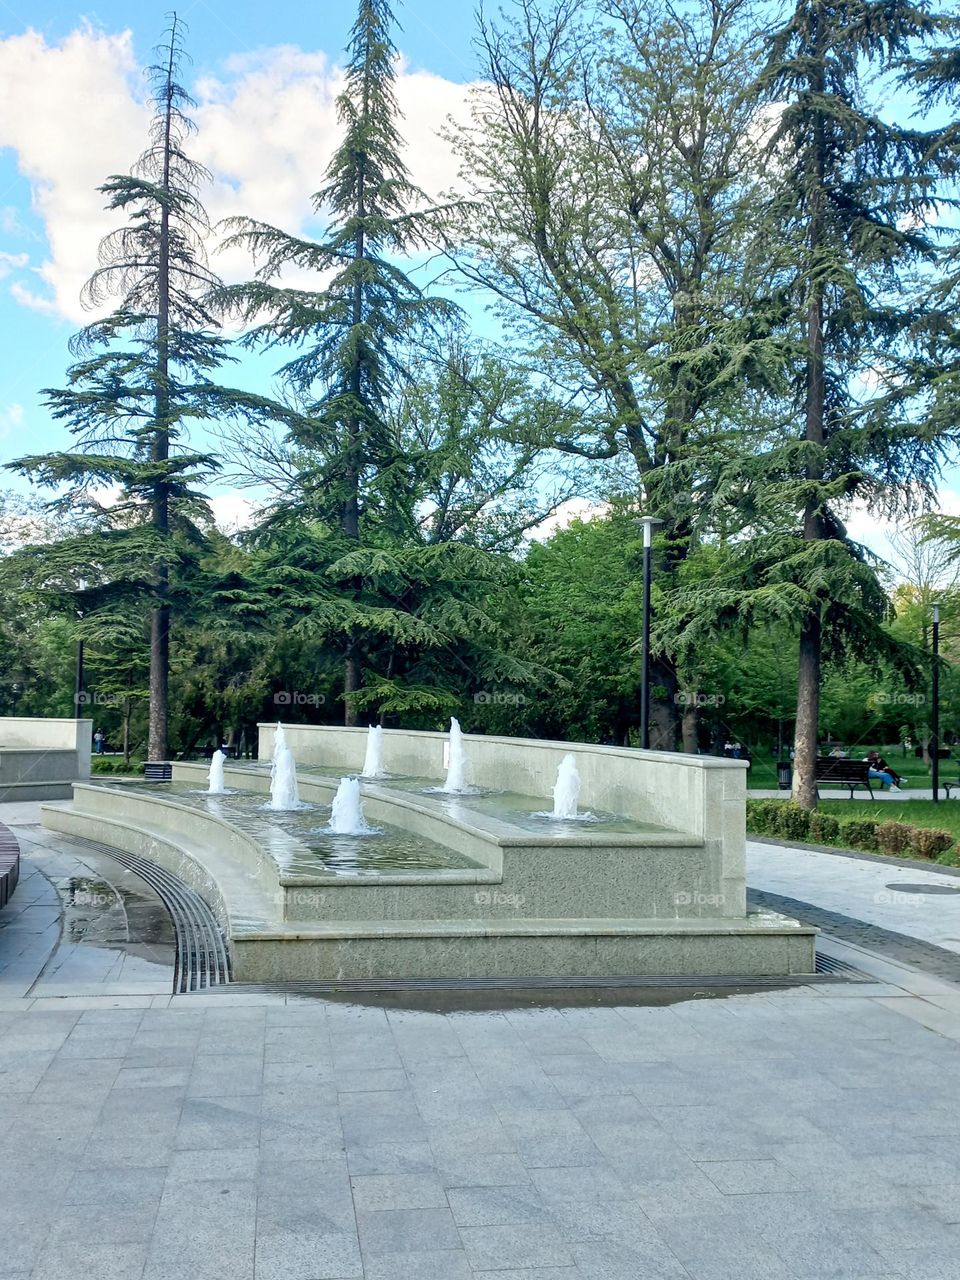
(9, 864)
(161, 771)
(948, 786)
(846, 773)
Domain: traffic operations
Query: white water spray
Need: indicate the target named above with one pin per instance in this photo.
(215, 783)
(373, 760)
(346, 813)
(567, 791)
(284, 793)
(457, 765)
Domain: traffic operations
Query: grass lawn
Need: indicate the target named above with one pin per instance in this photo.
(919, 813)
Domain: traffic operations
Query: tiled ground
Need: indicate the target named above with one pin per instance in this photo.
(780, 1135)
(805, 1133)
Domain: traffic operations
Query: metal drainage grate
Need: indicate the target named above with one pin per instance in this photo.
(840, 968)
(202, 959)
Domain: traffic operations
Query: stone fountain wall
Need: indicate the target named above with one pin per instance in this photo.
(701, 795)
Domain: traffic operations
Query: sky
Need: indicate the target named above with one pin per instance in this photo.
(265, 75)
(73, 111)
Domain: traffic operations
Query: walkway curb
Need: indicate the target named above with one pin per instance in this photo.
(888, 860)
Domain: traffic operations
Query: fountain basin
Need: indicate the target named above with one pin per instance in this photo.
(584, 902)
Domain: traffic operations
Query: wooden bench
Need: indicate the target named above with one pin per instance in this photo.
(9, 864)
(846, 773)
(161, 771)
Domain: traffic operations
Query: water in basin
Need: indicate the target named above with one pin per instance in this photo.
(299, 845)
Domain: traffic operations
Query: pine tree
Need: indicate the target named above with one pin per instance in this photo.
(350, 332)
(142, 373)
(850, 221)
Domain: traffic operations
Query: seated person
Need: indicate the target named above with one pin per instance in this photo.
(881, 772)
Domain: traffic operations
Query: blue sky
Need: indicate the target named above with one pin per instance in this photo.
(265, 75)
(70, 92)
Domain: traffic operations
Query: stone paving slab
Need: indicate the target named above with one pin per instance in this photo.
(792, 1134)
(836, 1154)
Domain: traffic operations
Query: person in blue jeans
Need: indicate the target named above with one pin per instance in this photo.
(880, 771)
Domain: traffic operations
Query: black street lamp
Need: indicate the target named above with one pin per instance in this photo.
(935, 710)
(647, 523)
(78, 673)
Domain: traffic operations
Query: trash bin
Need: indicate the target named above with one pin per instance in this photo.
(784, 775)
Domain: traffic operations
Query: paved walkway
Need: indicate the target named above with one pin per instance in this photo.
(793, 1134)
(910, 900)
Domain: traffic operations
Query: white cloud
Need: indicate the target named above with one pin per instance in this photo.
(585, 509)
(10, 419)
(233, 511)
(71, 114)
(874, 531)
(12, 262)
(74, 112)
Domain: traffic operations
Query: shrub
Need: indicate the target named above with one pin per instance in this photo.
(930, 842)
(761, 816)
(792, 822)
(856, 833)
(894, 837)
(824, 828)
(114, 764)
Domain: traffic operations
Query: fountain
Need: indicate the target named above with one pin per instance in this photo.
(456, 782)
(373, 760)
(215, 786)
(346, 815)
(284, 793)
(567, 791)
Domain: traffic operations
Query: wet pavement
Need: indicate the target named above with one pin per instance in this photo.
(79, 922)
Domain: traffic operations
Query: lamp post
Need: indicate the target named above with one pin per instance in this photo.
(78, 673)
(647, 523)
(935, 710)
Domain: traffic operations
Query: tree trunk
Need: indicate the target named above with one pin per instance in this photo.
(157, 744)
(350, 512)
(664, 710)
(808, 715)
(126, 733)
(811, 630)
(352, 677)
(690, 729)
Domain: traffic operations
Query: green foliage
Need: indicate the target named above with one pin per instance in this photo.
(791, 822)
(762, 816)
(824, 829)
(858, 834)
(115, 765)
(142, 375)
(893, 837)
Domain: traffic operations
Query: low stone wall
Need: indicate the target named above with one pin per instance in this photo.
(602, 906)
(702, 795)
(651, 875)
(41, 757)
